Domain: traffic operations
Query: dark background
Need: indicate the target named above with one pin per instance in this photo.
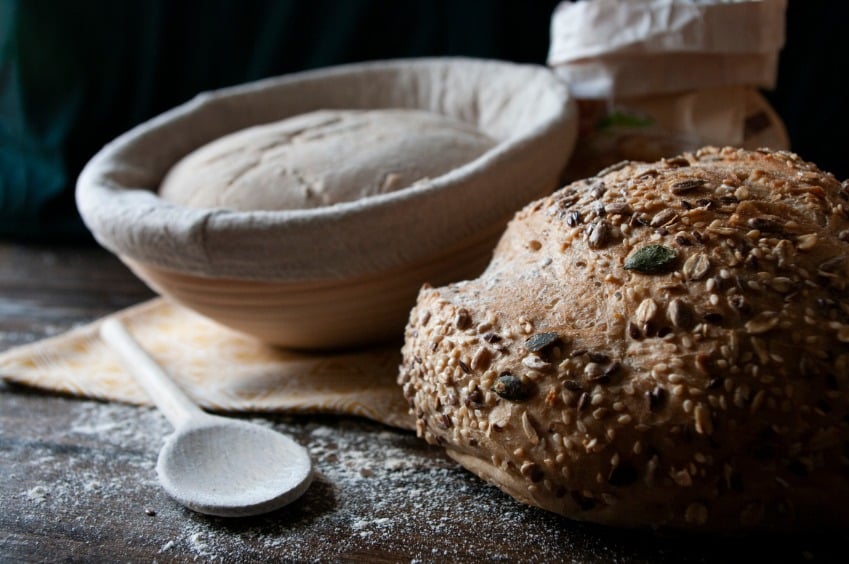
(75, 74)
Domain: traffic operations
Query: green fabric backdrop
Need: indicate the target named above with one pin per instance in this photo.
(75, 74)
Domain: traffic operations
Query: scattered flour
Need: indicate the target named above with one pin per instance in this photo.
(38, 494)
(199, 545)
(376, 492)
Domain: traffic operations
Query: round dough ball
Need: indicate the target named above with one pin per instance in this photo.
(663, 345)
(322, 158)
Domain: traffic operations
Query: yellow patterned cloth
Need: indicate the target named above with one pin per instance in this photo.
(220, 369)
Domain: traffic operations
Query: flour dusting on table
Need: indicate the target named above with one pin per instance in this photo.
(373, 486)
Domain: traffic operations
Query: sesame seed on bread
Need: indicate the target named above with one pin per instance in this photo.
(664, 344)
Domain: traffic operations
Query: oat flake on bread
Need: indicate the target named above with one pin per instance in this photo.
(665, 344)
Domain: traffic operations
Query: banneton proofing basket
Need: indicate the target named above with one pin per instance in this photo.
(345, 274)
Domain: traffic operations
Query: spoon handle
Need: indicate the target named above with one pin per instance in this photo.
(167, 396)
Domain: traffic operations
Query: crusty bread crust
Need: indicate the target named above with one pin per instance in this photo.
(663, 344)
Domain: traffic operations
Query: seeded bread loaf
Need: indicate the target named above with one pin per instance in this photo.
(322, 158)
(660, 345)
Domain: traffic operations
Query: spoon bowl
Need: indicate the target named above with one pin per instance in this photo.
(214, 465)
(259, 470)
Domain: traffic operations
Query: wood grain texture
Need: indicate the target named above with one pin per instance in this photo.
(77, 479)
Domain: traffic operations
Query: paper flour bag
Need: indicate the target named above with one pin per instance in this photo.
(655, 78)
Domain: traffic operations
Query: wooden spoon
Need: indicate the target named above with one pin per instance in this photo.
(210, 464)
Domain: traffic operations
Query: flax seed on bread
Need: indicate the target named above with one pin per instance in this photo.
(664, 344)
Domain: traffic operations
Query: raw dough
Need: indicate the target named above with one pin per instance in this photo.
(322, 158)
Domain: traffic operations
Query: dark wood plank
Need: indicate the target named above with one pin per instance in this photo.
(77, 477)
(46, 290)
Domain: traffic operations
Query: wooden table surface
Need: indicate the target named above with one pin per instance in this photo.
(77, 477)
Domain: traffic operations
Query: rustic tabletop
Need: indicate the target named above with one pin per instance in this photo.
(77, 477)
